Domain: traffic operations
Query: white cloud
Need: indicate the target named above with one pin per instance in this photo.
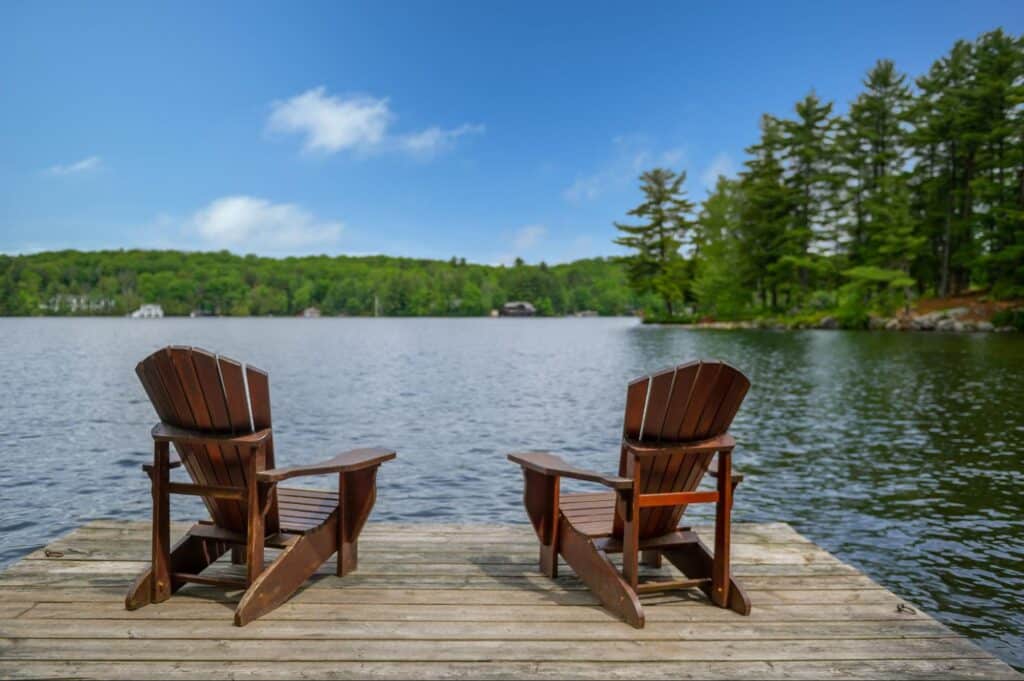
(252, 225)
(358, 123)
(631, 157)
(434, 139)
(528, 236)
(332, 124)
(722, 164)
(85, 165)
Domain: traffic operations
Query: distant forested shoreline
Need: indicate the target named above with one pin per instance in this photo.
(221, 283)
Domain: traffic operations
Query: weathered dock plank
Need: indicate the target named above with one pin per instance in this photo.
(466, 601)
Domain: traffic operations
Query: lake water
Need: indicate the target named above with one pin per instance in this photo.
(901, 453)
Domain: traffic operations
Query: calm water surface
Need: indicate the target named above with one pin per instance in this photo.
(901, 453)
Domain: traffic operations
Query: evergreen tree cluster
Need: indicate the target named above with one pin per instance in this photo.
(918, 189)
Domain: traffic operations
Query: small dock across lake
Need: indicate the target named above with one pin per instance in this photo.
(467, 601)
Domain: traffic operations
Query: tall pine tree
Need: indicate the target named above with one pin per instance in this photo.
(657, 266)
(719, 282)
(766, 213)
(872, 147)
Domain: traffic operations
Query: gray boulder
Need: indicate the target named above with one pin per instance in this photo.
(828, 323)
(945, 325)
(876, 323)
(985, 327)
(926, 323)
(893, 325)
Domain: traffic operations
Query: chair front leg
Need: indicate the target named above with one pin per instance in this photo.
(540, 496)
(631, 536)
(357, 491)
(720, 570)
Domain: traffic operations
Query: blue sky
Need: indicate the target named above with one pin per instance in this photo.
(429, 129)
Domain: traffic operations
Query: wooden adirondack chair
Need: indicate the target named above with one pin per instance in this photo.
(217, 414)
(676, 421)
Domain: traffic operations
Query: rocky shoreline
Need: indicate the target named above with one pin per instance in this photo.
(953, 320)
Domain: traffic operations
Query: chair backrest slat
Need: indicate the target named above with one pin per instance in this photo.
(689, 426)
(259, 401)
(195, 389)
(636, 400)
(208, 374)
(235, 395)
(259, 407)
(688, 403)
(682, 389)
(657, 404)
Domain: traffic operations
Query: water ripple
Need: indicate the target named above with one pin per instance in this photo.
(901, 453)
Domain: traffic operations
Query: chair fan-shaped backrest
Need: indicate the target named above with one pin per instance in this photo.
(198, 390)
(687, 403)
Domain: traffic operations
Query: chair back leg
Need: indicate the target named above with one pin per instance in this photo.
(720, 571)
(160, 583)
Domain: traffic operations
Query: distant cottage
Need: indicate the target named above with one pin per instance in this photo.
(311, 312)
(66, 302)
(148, 311)
(518, 308)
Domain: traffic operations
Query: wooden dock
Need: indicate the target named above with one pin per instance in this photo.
(466, 601)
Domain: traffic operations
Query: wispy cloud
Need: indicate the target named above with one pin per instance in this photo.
(434, 139)
(83, 166)
(256, 225)
(528, 236)
(631, 156)
(585, 188)
(721, 164)
(359, 123)
(522, 240)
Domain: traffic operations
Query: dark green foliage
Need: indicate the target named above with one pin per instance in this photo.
(1012, 317)
(717, 285)
(116, 282)
(915, 191)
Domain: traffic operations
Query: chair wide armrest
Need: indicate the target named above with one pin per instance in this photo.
(346, 462)
(164, 432)
(550, 464)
